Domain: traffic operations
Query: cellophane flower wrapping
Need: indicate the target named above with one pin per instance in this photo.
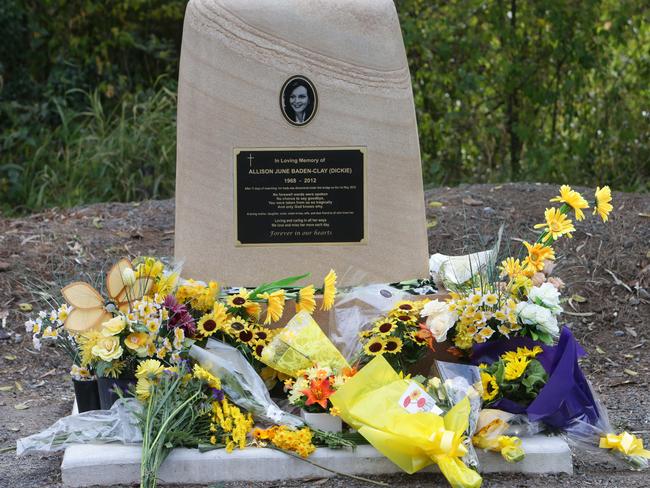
(459, 382)
(373, 403)
(355, 310)
(300, 345)
(567, 402)
(239, 380)
(117, 425)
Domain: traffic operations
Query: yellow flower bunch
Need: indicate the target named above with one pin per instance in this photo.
(197, 295)
(298, 441)
(204, 375)
(229, 425)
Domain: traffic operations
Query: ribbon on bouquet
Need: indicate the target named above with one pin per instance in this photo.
(372, 401)
(626, 443)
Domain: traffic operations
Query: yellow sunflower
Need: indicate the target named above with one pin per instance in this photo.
(305, 300)
(490, 386)
(537, 253)
(573, 199)
(602, 205)
(374, 346)
(245, 336)
(256, 348)
(274, 305)
(329, 290)
(207, 325)
(235, 325)
(405, 306)
(384, 327)
(514, 369)
(239, 300)
(557, 224)
(393, 345)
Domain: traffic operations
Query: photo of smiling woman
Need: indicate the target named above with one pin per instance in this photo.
(298, 100)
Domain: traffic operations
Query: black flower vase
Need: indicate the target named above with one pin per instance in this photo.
(87, 395)
(108, 388)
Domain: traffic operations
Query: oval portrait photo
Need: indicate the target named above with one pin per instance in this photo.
(298, 100)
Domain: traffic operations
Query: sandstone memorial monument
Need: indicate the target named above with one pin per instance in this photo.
(297, 143)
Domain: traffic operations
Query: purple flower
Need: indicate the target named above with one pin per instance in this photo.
(217, 394)
(179, 316)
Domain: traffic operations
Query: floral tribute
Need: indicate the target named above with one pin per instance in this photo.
(313, 387)
(208, 361)
(520, 297)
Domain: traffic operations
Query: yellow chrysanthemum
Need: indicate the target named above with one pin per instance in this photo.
(143, 389)
(514, 369)
(521, 284)
(305, 300)
(602, 205)
(374, 346)
(573, 199)
(166, 284)
(329, 290)
(150, 369)
(557, 224)
(204, 375)
(537, 253)
(490, 386)
(274, 305)
(392, 345)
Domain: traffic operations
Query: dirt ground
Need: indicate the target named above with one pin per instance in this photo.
(606, 268)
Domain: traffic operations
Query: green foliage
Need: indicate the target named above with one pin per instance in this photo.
(550, 91)
(554, 91)
(92, 155)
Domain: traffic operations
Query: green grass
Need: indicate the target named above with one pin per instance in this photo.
(96, 154)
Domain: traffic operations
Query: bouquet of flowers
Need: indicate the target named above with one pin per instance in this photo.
(518, 298)
(313, 387)
(398, 336)
(516, 376)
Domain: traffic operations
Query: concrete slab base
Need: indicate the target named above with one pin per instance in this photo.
(112, 464)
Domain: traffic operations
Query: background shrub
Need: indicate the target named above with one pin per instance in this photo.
(550, 91)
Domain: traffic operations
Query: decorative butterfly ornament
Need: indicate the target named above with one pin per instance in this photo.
(90, 310)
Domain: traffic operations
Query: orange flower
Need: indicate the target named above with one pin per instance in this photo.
(425, 335)
(319, 392)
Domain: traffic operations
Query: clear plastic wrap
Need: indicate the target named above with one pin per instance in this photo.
(357, 308)
(595, 441)
(459, 382)
(241, 382)
(119, 424)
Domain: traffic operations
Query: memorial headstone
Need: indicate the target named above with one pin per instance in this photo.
(297, 143)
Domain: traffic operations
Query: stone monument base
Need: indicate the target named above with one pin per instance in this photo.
(113, 464)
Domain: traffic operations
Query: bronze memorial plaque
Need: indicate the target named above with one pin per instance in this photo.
(300, 196)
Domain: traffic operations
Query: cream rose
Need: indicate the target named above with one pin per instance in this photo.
(108, 349)
(114, 326)
(439, 319)
(542, 317)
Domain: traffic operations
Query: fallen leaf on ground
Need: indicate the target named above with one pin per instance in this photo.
(9, 357)
(578, 298)
(630, 372)
(432, 223)
(19, 387)
(25, 307)
(6, 388)
(472, 201)
(48, 373)
(435, 204)
(21, 406)
(599, 350)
